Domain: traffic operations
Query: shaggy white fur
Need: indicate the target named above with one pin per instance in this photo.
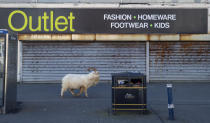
(79, 81)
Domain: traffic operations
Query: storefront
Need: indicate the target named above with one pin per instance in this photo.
(156, 42)
(184, 61)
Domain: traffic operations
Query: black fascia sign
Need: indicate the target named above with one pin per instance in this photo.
(107, 21)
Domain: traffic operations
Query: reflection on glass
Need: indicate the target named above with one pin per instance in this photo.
(1, 69)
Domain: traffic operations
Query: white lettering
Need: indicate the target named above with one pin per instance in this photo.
(117, 17)
(168, 17)
(130, 25)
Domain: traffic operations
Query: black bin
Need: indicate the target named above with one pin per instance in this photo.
(129, 92)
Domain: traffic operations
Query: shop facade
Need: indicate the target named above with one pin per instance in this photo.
(179, 60)
(170, 52)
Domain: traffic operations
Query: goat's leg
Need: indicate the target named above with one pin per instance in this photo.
(81, 91)
(85, 90)
(62, 91)
(72, 92)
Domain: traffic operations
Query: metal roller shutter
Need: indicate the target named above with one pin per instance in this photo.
(50, 61)
(180, 61)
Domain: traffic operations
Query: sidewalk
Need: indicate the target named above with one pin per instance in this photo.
(41, 103)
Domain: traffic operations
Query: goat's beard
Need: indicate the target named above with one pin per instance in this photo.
(95, 83)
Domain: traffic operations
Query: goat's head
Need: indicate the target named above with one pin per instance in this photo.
(94, 70)
(94, 75)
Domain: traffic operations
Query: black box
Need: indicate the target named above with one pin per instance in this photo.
(129, 92)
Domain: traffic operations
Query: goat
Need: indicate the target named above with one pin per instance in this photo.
(79, 81)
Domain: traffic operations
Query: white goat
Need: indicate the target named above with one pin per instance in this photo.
(79, 81)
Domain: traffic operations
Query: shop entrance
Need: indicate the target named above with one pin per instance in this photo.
(8, 71)
(2, 40)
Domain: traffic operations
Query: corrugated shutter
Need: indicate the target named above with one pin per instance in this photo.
(50, 61)
(180, 61)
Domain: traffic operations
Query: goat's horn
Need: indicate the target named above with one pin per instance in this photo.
(92, 68)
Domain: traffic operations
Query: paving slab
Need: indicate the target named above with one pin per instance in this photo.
(41, 103)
